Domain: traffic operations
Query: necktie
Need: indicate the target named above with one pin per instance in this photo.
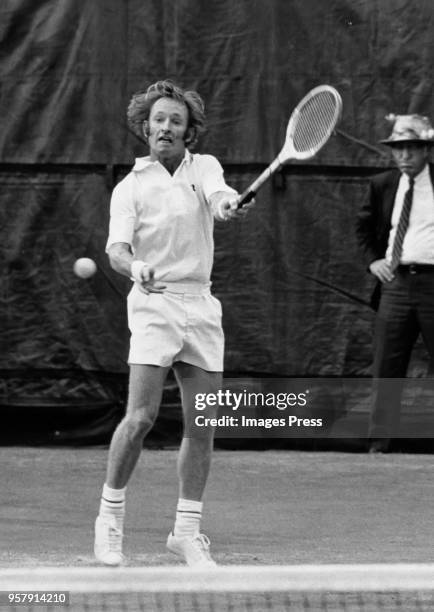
(402, 226)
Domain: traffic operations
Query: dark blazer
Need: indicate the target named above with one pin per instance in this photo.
(374, 219)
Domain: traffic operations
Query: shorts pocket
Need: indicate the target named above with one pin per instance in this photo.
(136, 300)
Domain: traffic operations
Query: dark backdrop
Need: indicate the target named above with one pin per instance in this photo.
(294, 292)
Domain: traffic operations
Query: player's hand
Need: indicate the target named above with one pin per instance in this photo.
(144, 277)
(381, 269)
(148, 283)
(229, 208)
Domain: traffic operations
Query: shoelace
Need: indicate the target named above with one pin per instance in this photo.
(202, 545)
(115, 539)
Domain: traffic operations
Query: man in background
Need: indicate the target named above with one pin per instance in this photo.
(395, 230)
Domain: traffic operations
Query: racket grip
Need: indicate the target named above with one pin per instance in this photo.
(246, 197)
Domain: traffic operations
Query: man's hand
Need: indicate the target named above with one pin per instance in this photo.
(143, 274)
(381, 269)
(228, 208)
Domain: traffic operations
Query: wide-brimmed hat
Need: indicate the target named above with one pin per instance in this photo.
(410, 128)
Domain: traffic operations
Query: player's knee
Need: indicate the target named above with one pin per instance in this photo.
(138, 425)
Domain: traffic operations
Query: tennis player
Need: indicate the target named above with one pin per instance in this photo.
(161, 236)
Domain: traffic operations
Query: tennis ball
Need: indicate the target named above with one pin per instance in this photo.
(85, 267)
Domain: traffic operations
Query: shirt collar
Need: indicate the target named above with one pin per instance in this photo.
(142, 163)
(420, 179)
(423, 177)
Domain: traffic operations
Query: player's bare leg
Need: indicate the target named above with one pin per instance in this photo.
(194, 461)
(144, 398)
(145, 392)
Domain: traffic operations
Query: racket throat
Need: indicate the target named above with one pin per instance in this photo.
(251, 192)
(262, 178)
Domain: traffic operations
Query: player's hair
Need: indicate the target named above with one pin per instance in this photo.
(141, 103)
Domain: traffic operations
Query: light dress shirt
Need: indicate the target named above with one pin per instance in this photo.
(418, 245)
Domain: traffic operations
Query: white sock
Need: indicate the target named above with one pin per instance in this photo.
(113, 503)
(188, 515)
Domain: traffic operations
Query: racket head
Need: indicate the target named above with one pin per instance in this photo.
(312, 122)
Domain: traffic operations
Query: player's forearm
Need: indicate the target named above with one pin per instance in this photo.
(121, 258)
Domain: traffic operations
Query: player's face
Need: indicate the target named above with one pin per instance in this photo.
(410, 157)
(167, 128)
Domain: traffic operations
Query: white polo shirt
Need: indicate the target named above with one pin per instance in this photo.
(167, 219)
(418, 245)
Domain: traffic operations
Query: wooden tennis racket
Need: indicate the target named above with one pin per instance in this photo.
(310, 126)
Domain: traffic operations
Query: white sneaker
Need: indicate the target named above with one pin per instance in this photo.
(108, 540)
(195, 550)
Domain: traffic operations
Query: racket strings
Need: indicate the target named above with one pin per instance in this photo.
(316, 120)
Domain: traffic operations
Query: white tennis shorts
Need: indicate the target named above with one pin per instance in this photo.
(171, 326)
